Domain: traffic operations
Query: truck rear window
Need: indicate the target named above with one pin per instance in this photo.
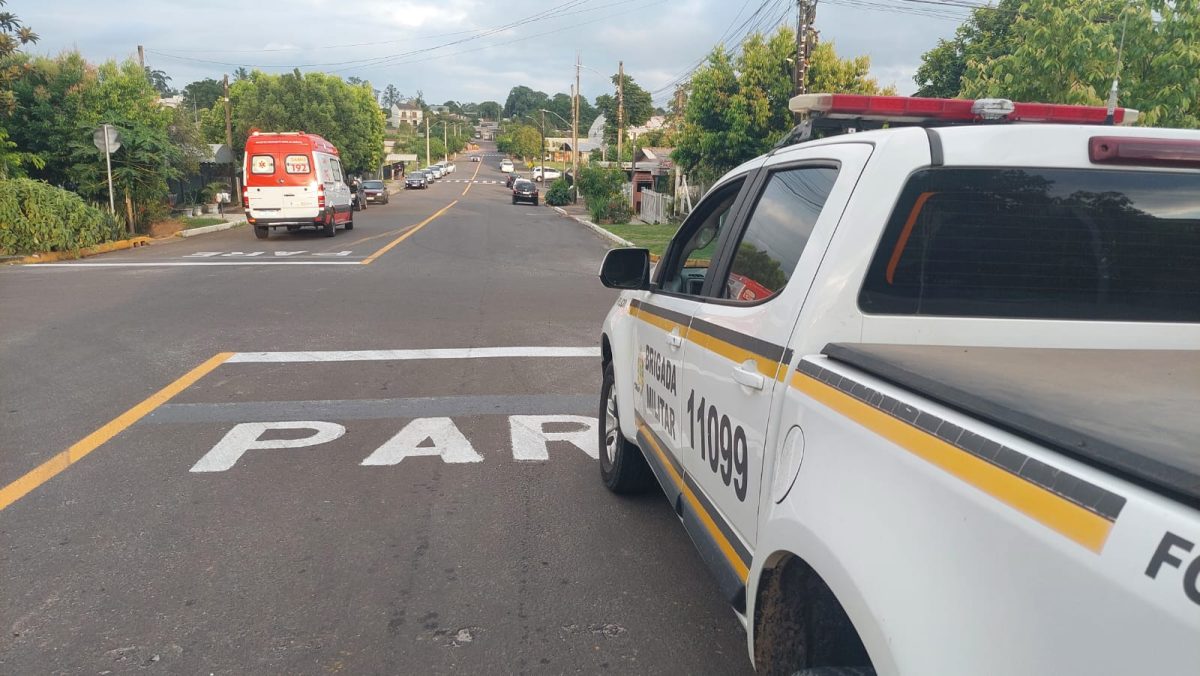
(262, 164)
(297, 164)
(1031, 243)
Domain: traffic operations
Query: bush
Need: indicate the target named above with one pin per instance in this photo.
(601, 188)
(559, 193)
(36, 217)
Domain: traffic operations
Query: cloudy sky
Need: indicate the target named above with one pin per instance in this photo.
(473, 50)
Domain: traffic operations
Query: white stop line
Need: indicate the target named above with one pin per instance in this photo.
(409, 355)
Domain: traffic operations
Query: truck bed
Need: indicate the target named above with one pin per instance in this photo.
(1135, 413)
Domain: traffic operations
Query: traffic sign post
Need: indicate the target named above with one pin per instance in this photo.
(108, 139)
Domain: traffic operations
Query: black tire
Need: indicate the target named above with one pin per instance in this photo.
(535, 201)
(330, 227)
(623, 468)
(514, 200)
(262, 231)
(350, 224)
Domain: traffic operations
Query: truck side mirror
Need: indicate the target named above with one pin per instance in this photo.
(626, 269)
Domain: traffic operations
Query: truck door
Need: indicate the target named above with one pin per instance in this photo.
(736, 353)
(664, 313)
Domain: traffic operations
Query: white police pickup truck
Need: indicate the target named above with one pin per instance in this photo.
(927, 398)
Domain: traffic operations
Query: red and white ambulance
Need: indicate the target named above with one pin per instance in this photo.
(294, 179)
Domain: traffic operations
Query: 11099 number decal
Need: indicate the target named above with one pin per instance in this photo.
(721, 443)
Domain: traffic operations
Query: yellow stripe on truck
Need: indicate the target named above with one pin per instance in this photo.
(1050, 509)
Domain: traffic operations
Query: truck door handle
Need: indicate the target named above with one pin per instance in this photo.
(747, 374)
(674, 339)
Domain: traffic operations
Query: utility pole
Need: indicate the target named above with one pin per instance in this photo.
(620, 109)
(446, 140)
(575, 134)
(542, 152)
(233, 181)
(142, 56)
(806, 16)
(427, 162)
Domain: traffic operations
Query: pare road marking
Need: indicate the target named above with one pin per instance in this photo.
(529, 435)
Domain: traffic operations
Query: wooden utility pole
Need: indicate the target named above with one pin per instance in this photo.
(806, 15)
(142, 56)
(233, 180)
(427, 162)
(575, 133)
(446, 140)
(620, 109)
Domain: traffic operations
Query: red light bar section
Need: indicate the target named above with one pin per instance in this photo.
(1159, 152)
(902, 108)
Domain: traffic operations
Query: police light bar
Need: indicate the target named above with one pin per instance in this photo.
(915, 109)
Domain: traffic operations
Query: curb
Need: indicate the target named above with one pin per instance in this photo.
(107, 247)
(597, 229)
(205, 229)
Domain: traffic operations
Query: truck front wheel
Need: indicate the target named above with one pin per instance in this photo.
(623, 468)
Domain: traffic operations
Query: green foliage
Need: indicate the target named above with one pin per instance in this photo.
(390, 96)
(13, 161)
(559, 193)
(1059, 52)
(983, 36)
(160, 81)
(737, 107)
(13, 36)
(639, 106)
(759, 266)
(346, 115)
(202, 94)
(36, 217)
(601, 189)
(520, 140)
(523, 101)
(490, 110)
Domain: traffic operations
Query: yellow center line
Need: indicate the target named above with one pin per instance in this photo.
(473, 177)
(407, 233)
(64, 459)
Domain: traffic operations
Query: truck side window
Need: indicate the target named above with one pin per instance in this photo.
(777, 232)
(695, 244)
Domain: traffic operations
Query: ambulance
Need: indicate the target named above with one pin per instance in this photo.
(294, 180)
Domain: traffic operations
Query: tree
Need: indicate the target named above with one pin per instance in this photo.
(13, 36)
(520, 140)
(391, 96)
(160, 81)
(639, 106)
(453, 107)
(983, 36)
(1067, 53)
(523, 101)
(347, 116)
(203, 94)
(737, 108)
(490, 110)
(240, 73)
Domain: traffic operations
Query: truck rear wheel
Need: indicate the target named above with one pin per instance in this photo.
(262, 231)
(623, 468)
(330, 227)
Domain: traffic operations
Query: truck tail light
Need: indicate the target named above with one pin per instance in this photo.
(919, 109)
(321, 196)
(1160, 152)
(245, 197)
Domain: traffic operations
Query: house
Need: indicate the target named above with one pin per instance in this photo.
(406, 113)
(654, 123)
(651, 166)
(559, 148)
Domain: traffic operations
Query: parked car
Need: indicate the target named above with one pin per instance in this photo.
(546, 174)
(294, 180)
(508, 183)
(506, 166)
(447, 167)
(523, 190)
(434, 171)
(357, 202)
(373, 191)
(415, 180)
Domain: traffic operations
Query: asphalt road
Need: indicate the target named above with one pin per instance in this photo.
(336, 477)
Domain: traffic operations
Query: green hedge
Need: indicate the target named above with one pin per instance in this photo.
(36, 217)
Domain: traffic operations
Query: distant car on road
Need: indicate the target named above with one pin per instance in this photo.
(523, 190)
(546, 174)
(373, 191)
(416, 180)
(511, 178)
(506, 166)
(475, 158)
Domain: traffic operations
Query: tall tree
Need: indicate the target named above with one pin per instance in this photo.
(983, 36)
(1068, 53)
(240, 73)
(390, 96)
(13, 35)
(737, 106)
(160, 81)
(638, 108)
(524, 102)
(202, 94)
(490, 110)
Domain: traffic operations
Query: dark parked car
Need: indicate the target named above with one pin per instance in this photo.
(525, 191)
(416, 179)
(374, 191)
(508, 182)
